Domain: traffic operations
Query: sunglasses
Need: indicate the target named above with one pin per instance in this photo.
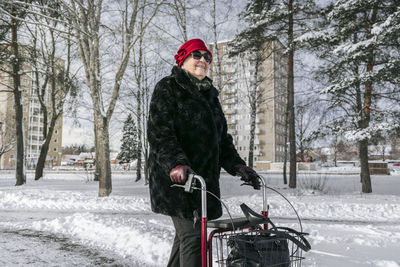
(198, 55)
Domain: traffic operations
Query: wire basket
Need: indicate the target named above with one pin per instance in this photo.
(279, 247)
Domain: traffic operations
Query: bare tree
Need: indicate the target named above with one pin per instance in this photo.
(306, 122)
(7, 136)
(88, 28)
(15, 13)
(216, 22)
(52, 78)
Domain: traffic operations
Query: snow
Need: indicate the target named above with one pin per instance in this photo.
(366, 133)
(60, 220)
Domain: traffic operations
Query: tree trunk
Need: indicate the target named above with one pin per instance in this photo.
(96, 163)
(146, 166)
(292, 130)
(139, 126)
(365, 175)
(253, 111)
(286, 140)
(43, 151)
(252, 133)
(16, 64)
(103, 156)
(217, 56)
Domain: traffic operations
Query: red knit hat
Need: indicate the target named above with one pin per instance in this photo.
(187, 48)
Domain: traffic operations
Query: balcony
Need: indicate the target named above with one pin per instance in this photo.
(35, 142)
(230, 111)
(231, 100)
(34, 123)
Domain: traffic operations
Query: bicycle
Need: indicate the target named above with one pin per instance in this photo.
(253, 240)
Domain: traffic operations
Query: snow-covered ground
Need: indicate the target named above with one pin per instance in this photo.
(60, 221)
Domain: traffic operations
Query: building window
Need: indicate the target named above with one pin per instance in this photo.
(11, 156)
(55, 157)
(56, 132)
(55, 140)
(55, 149)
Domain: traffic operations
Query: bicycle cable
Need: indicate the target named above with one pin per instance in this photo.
(270, 188)
(225, 206)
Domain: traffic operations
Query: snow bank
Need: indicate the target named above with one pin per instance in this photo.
(35, 199)
(366, 208)
(128, 237)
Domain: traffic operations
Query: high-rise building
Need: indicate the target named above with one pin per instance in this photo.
(32, 118)
(237, 79)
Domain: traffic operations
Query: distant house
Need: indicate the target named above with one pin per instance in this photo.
(69, 160)
(309, 156)
(114, 158)
(85, 158)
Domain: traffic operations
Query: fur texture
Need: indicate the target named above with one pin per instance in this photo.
(186, 126)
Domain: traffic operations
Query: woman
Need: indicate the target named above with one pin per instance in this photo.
(187, 132)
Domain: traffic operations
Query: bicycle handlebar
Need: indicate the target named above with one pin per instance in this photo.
(189, 186)
(191, 182)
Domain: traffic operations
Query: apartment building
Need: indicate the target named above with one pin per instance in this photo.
(237, 78)
(32, 117)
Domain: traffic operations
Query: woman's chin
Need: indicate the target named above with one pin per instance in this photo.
(200, 72)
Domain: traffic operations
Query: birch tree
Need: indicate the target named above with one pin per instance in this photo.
(90, 30)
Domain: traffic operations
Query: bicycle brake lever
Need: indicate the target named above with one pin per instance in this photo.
(189, 184)
(247, 183)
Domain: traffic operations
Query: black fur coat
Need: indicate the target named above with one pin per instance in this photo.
(186, 126)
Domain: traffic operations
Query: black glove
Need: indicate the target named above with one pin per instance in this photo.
(179, 173)
(248, 175)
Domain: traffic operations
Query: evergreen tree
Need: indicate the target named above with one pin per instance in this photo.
(271, 20)
(129, 142)
(360, 43)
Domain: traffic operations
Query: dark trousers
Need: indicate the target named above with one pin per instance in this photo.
(186, 250)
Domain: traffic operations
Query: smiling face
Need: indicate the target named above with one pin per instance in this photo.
(196, 67)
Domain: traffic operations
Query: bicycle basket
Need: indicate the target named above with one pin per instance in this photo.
(279, 247)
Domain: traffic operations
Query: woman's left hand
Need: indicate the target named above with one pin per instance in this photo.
(248, 175)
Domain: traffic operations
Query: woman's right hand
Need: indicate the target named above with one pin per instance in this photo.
(179, 173)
